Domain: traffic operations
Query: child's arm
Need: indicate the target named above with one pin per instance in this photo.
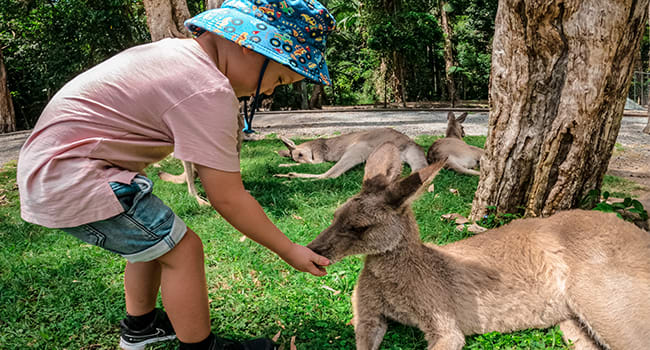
(227, 195)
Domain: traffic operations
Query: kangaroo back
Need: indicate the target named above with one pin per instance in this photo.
(588, 270)
(350, 150)
(460, 156)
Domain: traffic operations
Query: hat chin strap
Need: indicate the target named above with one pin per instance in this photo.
(248, 118)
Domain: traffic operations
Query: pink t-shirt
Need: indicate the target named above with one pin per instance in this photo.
(113, 120)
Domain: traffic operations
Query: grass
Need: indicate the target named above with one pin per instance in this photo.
(59, 293)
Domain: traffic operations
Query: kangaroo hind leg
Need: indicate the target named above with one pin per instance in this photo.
(453, 164)
(575, 334)
(414, 157)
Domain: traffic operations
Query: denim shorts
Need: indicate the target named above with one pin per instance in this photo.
(146, 230)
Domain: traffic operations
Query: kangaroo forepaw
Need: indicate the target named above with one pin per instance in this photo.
(287, 175)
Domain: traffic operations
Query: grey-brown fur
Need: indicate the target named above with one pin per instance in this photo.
(587, 271)
(351, 149)
(461, 157)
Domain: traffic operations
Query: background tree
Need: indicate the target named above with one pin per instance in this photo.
(647, 127)
(165, 18)
(56, 40)
(7, 117)
(450, 64)
(558, 89)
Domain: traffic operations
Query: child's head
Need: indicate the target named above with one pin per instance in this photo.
(289, 32)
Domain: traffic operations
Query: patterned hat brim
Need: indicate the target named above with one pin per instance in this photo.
(265, 39)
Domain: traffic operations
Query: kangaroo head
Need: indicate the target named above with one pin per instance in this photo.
(454, 127)
(299, 153)
(378, 218)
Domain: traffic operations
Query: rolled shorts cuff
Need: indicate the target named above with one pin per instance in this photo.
(177, 232)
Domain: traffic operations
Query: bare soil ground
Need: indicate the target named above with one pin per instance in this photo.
(631, 160)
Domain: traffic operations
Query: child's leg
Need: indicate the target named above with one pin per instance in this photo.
(141, 285)
(184, 290)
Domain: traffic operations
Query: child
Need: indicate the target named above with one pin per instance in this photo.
(80, 170)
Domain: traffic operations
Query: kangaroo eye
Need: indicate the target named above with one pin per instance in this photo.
(359, 229)
(299, 154)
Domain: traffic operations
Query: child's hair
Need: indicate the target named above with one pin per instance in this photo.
(290, 32)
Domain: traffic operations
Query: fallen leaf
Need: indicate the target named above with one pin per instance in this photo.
(459, 219)
(280, 324)
(336, 292)
(474, 228)
(431, 188)
(243, 238)
(296, 217)
(453, 191)
(276, 336)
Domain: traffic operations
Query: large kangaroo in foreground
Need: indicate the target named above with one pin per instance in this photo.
(585, 270)
(351, 149)
(461, 157)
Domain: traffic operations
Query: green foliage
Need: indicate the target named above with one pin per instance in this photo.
(495, 219)
(627, 205)
(49, 42)
(60, 293)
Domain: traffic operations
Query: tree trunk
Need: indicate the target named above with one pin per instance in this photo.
(448, 53)
(398, 79)
(213, 4)
(165, 18)
(558, 89)
(317, 97)
(7, 116)
(647, 127)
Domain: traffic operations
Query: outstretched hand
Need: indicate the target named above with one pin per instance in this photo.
(305, 260)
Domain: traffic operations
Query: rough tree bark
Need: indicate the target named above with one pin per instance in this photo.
(7, 116)
(448, 53)
(647, 127)
(165, 18)
(560, 75)
(317, 97)
(213, 4)
(398, 79)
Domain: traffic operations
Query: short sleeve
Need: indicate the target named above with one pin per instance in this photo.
(204, 129)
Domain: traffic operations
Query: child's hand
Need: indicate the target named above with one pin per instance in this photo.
(305, 260)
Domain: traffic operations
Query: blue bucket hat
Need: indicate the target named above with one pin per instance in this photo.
(290, 32)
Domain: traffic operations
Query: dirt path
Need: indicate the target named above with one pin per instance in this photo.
(633, 162)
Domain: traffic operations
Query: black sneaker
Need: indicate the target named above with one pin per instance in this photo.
(160, 329)
(254, 344)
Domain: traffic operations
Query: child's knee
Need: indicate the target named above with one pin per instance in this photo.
(189, 248)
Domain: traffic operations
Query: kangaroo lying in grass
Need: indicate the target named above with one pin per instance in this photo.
(351, 149)
(587, 271)
(460, 156)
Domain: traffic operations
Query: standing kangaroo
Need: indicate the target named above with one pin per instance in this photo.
(349, 150)
(587, 271)
(460, 156)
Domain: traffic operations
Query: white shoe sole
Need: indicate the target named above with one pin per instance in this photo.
(125, 345)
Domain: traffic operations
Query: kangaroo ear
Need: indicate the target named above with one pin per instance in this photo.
(384, 165)
(284, 153)
(408, 189)
(462, 117)
(450, 116)
(290, 145)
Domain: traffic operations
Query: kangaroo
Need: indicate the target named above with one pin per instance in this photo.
(460, 156)
(349, 150)
(587, 271)
(190, 173)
